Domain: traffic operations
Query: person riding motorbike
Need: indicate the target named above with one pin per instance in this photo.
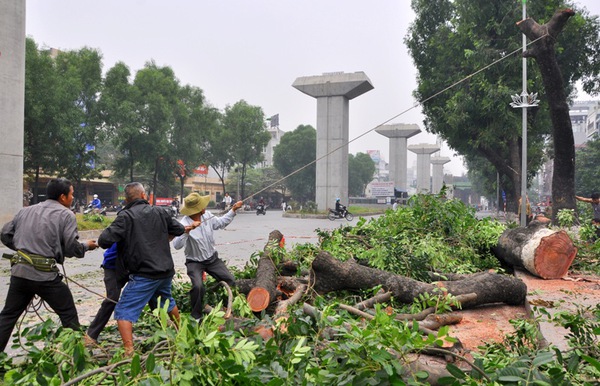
(339, 208)
(261, 207)
(96, 205)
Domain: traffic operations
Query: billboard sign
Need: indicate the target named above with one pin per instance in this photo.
(202, 169)
(382, 189)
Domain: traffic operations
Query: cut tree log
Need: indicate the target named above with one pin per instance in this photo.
(543, 252)
(329, 274)
(265, 289)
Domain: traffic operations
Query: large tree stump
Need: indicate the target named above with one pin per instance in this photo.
(329, 274)
(265, 289)
(541, 251)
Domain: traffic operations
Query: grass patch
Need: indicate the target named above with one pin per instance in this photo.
(88, 222)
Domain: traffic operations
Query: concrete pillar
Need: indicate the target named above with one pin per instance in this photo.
(333, 92)
(423, 152)
(398, 135)
(12, 106)
(438, 173)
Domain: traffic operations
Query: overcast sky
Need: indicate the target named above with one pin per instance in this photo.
(254, 50)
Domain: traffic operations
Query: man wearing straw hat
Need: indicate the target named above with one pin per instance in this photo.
(200, 253)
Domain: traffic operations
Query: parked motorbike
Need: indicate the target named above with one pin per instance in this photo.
(344, 214)
(171, 210)
(261, 209)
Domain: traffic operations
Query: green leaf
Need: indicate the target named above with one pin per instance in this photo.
(135, 366)
(543, 358)
(510, 378)
(79, 357)
(150, 363)
(455, 371)
(592, 361)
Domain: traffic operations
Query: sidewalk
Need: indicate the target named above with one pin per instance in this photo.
(558, 295)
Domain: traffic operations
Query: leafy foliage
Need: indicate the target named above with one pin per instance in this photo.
(333, 347)
(427, 234)
(452, 41)
(361, 169)
(246, 125)
(296, 153)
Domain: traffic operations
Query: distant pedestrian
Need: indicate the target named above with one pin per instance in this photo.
(594, 200)
(227, 201)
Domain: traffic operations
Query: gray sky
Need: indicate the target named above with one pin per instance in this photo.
(254, 50)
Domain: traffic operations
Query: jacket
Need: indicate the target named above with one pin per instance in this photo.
(142, 233)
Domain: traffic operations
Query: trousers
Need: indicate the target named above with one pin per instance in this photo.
(216, 268)
(20, 293)
(113, 284)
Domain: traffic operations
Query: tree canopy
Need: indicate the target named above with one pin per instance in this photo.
(452, 42)
(61, 115)
(361, 169)
(246, 127)
(298, 150)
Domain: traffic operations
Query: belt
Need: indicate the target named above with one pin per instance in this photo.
(41, 263)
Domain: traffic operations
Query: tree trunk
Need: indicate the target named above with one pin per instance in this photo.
(542, 50)
(541, 251)
(265, 289)
(329, 274)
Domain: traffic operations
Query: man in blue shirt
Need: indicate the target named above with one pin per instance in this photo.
(96, 203)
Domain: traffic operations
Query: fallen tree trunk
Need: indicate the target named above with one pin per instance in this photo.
(284, 283)
(265, 289)
(329, 274)
(541, 251)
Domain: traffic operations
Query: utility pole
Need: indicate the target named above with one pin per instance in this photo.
(524, 101)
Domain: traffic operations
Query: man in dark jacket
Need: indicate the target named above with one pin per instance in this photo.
(43, 235)
(142, 233)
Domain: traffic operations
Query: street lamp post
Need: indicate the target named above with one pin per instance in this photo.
(524, 101)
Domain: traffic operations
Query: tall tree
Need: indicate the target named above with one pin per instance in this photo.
(81, 75)
(361, 170)
(246, 125)
(296, 153)
(193, 123)
(219, 149)
(451, 40)
(156, 91)
(121, 121)
(42, 121)
(543, 50)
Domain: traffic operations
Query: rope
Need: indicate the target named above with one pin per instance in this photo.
(416, 104)
(35, 305)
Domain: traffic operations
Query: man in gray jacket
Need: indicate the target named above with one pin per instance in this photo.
(43, 235)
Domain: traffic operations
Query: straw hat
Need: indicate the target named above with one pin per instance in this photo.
(194, 203)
